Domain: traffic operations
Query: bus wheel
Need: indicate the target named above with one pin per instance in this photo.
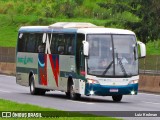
(33, 90)
(73, 95)
(117, 98)
(41, 92)
(67, 94)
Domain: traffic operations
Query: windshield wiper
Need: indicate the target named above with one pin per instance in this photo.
(121, 65)
(106, 70)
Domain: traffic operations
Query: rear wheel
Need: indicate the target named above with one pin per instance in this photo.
(33, 90)
(117, 98)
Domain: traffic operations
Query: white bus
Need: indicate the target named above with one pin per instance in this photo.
(78, 59)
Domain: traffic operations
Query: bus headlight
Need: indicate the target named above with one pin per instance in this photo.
(91, 92)
(133, 82)
(91, 81)
(132, 92)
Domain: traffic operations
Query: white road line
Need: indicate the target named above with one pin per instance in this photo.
(149, 102)
(6, 76)
(149, 94)
(80, 102)
(5, 91)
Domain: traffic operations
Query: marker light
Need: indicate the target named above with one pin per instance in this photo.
(91, 81)
(133, 82)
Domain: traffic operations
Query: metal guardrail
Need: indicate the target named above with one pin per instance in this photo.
(150, 65)
(151, 72)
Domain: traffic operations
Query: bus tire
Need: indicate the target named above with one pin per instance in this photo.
(73, 95)
(117, 98)
(41, 92)
(33, 90)
(67, 94)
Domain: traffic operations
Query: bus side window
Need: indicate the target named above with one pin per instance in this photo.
(31, 43)
(40, 46)
(70, 50)
(69, 39)
(60, 49)
(22, 42)
(53, 43)
(60, 44)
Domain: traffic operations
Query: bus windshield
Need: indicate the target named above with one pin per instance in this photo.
(112, 55)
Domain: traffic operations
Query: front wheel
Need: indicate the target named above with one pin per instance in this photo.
(72, 94)
(117, 98)
(67, 94)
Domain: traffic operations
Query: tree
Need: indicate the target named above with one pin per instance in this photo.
(146, 26)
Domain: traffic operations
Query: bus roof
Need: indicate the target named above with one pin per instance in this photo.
(73, 27)
(104, 31)
(43, 29)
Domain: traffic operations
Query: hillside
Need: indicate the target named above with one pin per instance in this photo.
(16, 13)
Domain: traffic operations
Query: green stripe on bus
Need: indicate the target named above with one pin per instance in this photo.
(26, 70)
(72, 74)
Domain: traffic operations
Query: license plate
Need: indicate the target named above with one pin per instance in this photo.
(113, 90)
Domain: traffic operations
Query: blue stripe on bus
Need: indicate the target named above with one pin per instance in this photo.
(41, 64)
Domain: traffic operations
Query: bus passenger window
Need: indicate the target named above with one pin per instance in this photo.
(31, 43)
(61, 49)
(53, 43)
(70, 49)
(69, 39)
(22, 42)
(41, 48)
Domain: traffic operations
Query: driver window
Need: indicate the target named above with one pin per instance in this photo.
(94, 47)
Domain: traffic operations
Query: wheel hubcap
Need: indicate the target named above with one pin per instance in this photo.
(72, 92)
(32, 87)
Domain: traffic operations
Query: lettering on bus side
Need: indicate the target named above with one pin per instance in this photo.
(25, 60)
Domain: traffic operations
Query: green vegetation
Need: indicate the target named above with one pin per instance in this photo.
(153, 48)
(9, 29)
(6, 105)
(142, 17)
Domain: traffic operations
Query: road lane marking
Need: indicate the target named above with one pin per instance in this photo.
(80, 102)
(7, 76)
(149, 94)
(149, 102)
(5, 91)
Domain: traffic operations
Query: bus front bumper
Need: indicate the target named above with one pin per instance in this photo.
(105, 90)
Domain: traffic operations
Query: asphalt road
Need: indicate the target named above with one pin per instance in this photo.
(142, 102)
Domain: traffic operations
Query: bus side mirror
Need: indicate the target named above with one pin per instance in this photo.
(142, 49)
(85, 48)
